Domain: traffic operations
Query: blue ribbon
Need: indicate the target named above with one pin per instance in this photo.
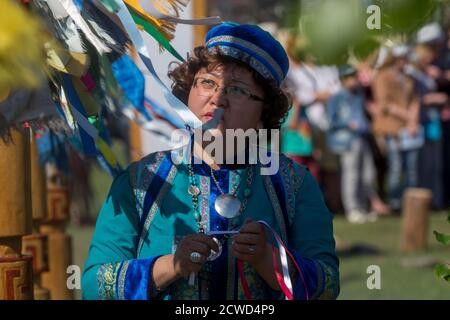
(87, 141)
(131, 81)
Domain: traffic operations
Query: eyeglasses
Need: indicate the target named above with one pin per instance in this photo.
(208, 88)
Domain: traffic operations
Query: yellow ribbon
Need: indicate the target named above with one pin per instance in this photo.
(166, 28)
(74, 63)
(90, 105)
(106, 152)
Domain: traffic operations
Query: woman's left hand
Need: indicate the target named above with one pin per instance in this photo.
(250, 243)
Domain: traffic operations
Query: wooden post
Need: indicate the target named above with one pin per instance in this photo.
(135, 140)
(136, 153)
(16, 275)
(416, 203)
(59, 243)
(36, 243)
(199, 10)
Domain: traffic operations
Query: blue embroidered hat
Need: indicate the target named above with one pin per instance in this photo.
(252, 45)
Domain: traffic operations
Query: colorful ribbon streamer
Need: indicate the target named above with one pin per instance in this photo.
(150, 9)
(283, 278)
(162, 96)
(73, 12)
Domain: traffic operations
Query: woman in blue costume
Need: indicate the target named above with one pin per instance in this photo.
(153, 235)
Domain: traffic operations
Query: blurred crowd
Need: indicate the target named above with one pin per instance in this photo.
(370, 129)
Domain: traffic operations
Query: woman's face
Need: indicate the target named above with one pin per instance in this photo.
(239, 111)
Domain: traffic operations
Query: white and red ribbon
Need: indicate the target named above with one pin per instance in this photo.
(283, 278)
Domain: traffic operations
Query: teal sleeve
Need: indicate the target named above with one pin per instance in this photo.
(312, 237)
(112, 270)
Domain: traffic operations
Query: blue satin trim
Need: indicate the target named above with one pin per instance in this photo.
(87, 141)
(132, 82)
(137, 279)
(218, 288)
(155, 186)
(310, 276)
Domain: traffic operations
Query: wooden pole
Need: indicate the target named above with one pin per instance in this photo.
(136, 152)
(135, 140)
(416, 203)
(16, 275)
(59, 243)
(36, 244)
(199, 10)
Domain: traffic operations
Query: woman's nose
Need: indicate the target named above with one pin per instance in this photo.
(219, 98)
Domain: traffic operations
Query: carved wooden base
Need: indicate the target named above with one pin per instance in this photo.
(16, 278)
(36, 245)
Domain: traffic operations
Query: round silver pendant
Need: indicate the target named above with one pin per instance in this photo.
(214, 255)
(227, 206)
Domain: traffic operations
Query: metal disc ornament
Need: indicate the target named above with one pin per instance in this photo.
(227, 206)
(214, 255)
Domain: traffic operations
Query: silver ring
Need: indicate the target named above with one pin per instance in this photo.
(251, 248)
(195, 257)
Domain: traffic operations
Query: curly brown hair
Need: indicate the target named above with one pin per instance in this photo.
(276, 102)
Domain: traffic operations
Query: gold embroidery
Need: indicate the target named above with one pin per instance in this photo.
(122, 275)
(107, 275)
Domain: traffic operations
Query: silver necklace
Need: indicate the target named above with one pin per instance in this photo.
(194, 191)
(228, 205)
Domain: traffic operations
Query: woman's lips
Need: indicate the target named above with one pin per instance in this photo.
(210, 115)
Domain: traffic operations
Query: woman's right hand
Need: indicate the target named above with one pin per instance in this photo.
(200, 243)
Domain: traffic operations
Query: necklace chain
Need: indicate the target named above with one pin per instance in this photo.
(194, 191)
(233, 192)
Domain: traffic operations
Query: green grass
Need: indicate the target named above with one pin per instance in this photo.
(403, 276)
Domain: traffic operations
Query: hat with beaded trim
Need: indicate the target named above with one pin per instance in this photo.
(252, 45)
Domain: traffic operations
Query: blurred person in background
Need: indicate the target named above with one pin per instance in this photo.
(366, 74)
(396, 118)
(348, 137)
(314, 85)
(296, 139)
(439, 70)
(430, 155)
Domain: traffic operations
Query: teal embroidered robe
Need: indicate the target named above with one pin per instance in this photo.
(148, 211)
